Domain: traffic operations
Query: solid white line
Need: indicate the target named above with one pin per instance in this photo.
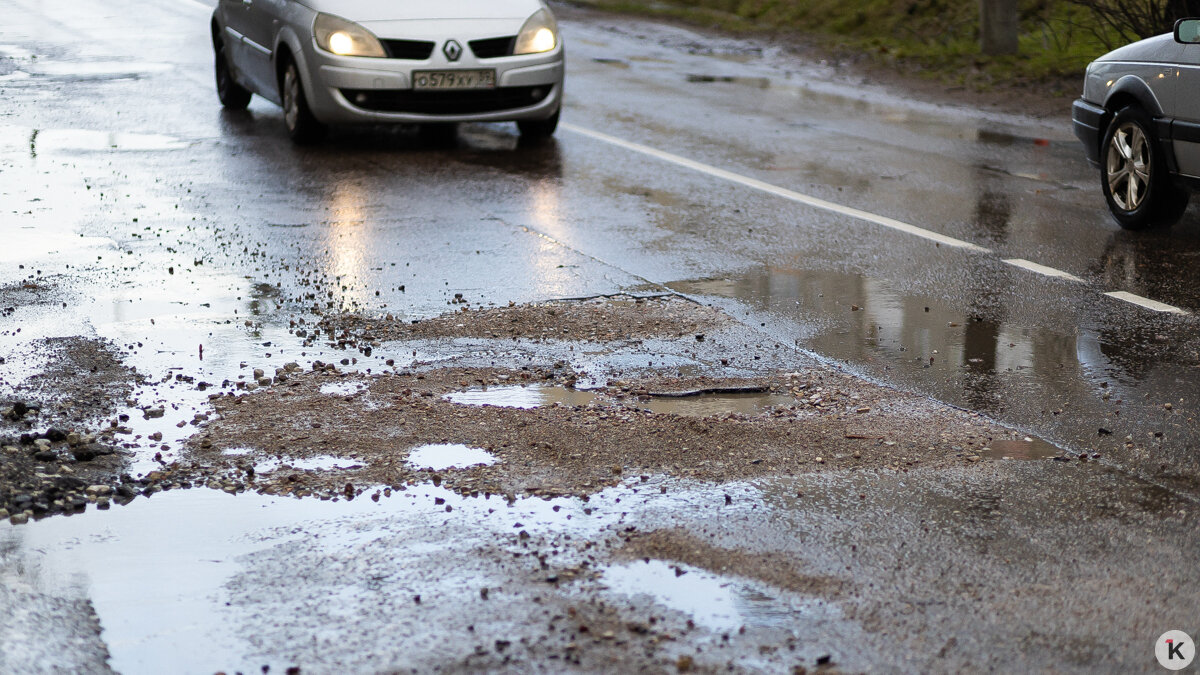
(853, 213)
(1146, 302)
(776, 190)
(1042, 269)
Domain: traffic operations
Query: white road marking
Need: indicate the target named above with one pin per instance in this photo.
(1146, 302)
(792, 195)
(822, 204)
(1042, 269)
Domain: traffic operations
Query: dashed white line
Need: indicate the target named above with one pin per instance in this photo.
(1042, 269)
(776, 190)
(1146, 302)
(859, 214)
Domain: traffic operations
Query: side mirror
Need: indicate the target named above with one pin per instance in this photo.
(1187, 31)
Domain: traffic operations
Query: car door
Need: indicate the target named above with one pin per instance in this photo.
(262, 23)
(235, 15)
(1186, 128)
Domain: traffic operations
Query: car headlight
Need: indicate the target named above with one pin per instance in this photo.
(539, 34)
(345, 38)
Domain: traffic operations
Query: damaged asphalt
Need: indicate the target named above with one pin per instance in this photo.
(404, 404)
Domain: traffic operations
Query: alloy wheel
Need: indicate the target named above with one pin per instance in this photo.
(1127, 168)
(291, 98)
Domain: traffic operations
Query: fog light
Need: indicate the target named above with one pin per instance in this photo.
(536, 94)
(360, 99)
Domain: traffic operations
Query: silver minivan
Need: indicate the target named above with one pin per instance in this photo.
(391, 61)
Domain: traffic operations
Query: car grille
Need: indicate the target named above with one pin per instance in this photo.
(463, 102)
(412, 50)
(493, 47)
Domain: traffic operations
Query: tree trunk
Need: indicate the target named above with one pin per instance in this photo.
(998, 26)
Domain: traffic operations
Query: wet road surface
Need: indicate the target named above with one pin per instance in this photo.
(959, 254)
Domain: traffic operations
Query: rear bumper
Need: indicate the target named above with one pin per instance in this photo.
(1088, 118)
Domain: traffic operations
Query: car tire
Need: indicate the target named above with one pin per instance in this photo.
(231, 94)
(539, 129)
(302, 126)
(1137, 184)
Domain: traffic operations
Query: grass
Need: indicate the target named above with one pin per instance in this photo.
(937, 39)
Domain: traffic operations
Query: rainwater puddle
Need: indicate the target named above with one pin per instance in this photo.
(99, 69)
(174, 579)
(342, 388)
(717, 603)
(44, 141)
(82, 140)
(15, 52)
(1028, 449)
(449, 456)
(322, 463)
(704, 405)
(533, 396)
(971, 359)
(756, 82)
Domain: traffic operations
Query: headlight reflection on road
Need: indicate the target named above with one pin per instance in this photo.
(546, 218)
(347, 240)
(544, 207)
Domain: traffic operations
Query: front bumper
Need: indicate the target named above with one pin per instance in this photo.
(1088, 120)
(355, 90)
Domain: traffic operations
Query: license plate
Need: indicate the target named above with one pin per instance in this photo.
(454, 79)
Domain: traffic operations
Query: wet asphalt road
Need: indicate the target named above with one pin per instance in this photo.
(112, 142)
(583, 215)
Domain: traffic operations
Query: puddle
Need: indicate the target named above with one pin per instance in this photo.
(342, 388)
(180, 582)
(449, 456)
(1030, 448)
(76, 140)
(15, 52)
(533, 396)
(704, 405)
(99, 69)
(717, 603)
(992, 359)
(756, 82)
(322, 463)
(43, 141)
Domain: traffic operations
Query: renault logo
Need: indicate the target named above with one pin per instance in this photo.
(452, 50)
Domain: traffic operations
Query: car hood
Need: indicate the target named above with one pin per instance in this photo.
(1159, 48)
(423, 10)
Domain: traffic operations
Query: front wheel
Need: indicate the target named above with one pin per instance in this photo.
(1134, 176)
(539, 129)
(302, 126)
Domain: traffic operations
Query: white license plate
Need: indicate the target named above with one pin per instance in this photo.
(454, 79)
